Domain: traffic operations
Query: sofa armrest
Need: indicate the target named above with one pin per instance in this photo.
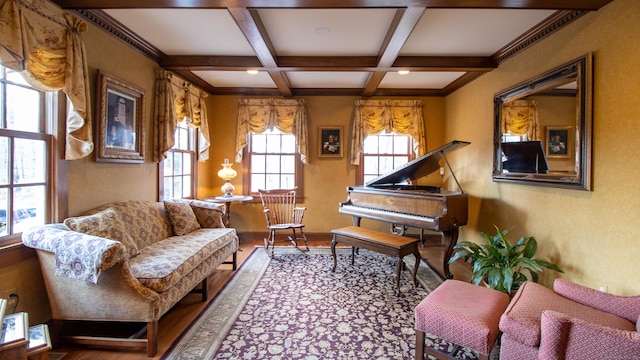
(627, 307)
(566, 337)
(77, 255)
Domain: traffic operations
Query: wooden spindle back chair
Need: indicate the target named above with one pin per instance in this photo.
(281, 213)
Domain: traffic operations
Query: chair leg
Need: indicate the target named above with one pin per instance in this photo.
(419, 345)
(295, 239)
(270, 241)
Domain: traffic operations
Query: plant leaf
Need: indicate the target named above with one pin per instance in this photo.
(531, 247)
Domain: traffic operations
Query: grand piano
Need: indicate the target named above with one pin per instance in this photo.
(395, 198)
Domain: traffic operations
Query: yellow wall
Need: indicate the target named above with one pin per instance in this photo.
(592, 235)
(91, 183)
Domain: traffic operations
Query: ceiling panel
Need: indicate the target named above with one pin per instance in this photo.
(466, 32)
(353, 32)
(327, 79)
(186, 31)
(419, 80)
(236, 79)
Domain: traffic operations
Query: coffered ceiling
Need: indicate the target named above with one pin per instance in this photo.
(331, 47)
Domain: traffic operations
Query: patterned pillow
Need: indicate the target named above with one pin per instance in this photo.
(107, 224)
(181, 216)
(209, 215)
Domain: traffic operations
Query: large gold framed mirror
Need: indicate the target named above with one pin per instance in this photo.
(543, 128)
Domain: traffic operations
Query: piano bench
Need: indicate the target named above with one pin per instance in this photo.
(461, 313)
(392, 245)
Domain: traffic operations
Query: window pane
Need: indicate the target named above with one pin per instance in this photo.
(288, 164)
(273, 181)
(29, 161)
(168, 165)
(16, 78)
(371, 165)
(257, 182)
(28, 207)
(401, 144)
(399, 160)
(259, 143)
(186, 187)
(4, 160)
(371, 145)
(168, 186)
(288, 144)
(273, 163)
(23, 109)
(386, 144)
(386, 164)
(4, 201)
(287, 182)
(177, 163)
(184, 139)
(257, 163)
(177, 188)
(186, 161)
(273, 143)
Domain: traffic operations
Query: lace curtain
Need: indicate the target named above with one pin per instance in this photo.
(177, 101)
(376, 116)
(520, 117)
(43, 42)
(259, 115)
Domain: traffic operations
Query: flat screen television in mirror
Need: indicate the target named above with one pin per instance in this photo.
(534, 114)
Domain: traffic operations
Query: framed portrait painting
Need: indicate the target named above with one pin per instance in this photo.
(558, 141)
(120, 120)
(331, 141)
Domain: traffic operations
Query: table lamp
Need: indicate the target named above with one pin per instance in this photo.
(226, 174)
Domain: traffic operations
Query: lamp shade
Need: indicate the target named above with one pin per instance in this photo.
(227, 173)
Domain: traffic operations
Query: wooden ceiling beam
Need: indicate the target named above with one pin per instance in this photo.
(590, 5)
(251, 26)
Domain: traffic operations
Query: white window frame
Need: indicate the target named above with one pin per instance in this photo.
(186, 143)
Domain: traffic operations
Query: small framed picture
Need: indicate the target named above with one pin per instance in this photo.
(330, 141)
(558, 141)
(120, 120)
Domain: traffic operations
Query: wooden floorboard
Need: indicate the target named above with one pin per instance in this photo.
(178, 319)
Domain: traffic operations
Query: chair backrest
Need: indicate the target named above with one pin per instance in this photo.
(279, 205)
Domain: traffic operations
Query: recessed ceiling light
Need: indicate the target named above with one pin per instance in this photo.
(403, 72)
(252, 72)
(323, 31)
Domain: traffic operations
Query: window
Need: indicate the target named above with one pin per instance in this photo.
(177, 171)
(382, 153)
(273, 161)
(26, 155)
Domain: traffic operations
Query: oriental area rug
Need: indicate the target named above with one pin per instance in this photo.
(296, 308)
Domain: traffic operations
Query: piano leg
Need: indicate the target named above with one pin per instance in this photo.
(450, 240)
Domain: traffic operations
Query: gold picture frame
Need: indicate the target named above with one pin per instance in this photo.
(558, 142)
(330, 141)
(120, 120)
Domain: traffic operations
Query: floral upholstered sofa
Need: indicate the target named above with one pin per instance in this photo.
(131, 261)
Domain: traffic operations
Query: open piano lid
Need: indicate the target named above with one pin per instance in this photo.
(422, 166)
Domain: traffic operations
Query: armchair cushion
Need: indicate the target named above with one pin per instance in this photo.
(627, 307)
(567, 337)
(107, 224)
(521, 320)
(182, 218)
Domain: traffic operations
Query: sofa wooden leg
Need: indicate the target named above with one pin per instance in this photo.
(152, 338)
(205, 289)
(235, 260)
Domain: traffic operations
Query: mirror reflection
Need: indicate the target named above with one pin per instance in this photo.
(543, 129)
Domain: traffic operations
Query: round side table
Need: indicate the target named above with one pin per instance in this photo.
(227, 200)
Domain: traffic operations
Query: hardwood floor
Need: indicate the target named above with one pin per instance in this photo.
(179, 318)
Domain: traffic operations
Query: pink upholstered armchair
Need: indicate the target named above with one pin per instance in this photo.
(570, 322)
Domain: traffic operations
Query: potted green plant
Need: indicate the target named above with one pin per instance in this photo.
(502, 266)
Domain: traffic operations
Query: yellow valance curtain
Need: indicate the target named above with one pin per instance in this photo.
(520, 117)
(259, 115)
(177, 101)
(376, 116)
(43, 42)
